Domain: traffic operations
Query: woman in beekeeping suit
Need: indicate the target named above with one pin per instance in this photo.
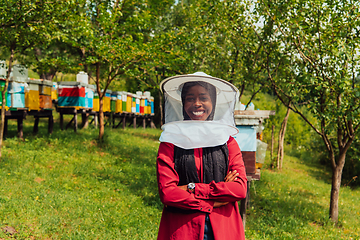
(200, 170)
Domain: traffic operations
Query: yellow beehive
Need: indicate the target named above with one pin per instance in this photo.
(107, 101)
(54, 95)
(96, 102)
(32, 97)
(128, 102)
(118, 108)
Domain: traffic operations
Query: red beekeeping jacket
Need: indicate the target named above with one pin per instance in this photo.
(225, 221)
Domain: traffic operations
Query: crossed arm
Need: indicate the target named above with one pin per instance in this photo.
(206, 196)
(230, 177)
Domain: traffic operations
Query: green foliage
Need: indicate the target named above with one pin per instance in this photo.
(109, 38)
(299, 135)
(351, 170)
(305, 62)
(312, 63)
(234, 52)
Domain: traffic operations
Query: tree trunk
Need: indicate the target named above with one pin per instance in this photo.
(272, 147)
(48, 76)
(101, 117)
(2, 124)
(101, 97)
(335, 188)
(282, 132)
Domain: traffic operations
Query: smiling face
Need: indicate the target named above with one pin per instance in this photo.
(197, 104)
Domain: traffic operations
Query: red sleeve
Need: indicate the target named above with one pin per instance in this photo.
(227, 191)
(168, 180)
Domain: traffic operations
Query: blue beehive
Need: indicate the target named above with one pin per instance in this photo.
(246, 138)
(89, 96)
(249, 123)
(17, 87)
(152, 105)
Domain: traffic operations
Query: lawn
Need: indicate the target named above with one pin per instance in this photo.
(294, 204)
(70, 186)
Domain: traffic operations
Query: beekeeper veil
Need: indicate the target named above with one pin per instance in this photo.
(199, 110)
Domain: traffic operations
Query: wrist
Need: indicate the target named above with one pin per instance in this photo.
(191, 187)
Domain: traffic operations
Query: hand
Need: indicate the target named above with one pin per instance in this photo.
(183, 187)
(219, 204)
(231, 176)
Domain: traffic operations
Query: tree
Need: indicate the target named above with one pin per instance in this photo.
(49, 58)
(24, 24)
(280, 155)
(110, 39)
(175, 44)
(234, 55)
(312, 50)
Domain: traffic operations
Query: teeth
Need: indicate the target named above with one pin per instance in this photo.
(198, 113)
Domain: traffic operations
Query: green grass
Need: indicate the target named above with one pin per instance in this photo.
(293, 204)
(70, 186)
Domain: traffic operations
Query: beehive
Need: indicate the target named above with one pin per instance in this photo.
(133, 103)
(107, 101)
(124, 101)
(89, 96)
(249, 122)
(2, 86)
(71, 94)
(45, 94)
(147, 102)
(2, 80)
(17, 87)
(54, 90)
(118, 104)
(113, 101)
(96, 102)
(129, 102)
(152, 105)
(137, 102)
(142, 105)
(32, 96)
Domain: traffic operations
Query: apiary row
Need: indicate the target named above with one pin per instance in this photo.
(30, 94)
(34, 94)
(84, 96)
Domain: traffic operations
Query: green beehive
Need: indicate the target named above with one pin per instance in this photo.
(2, 87)
(123, 102)
(113, 101)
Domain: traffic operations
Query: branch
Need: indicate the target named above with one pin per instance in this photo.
(328, 144)
(340, 135)
(294, 43)
(289, 104)
(253, 96)
(349, 130)
(356, 127)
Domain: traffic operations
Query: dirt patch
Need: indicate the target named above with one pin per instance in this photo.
(9, 230)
